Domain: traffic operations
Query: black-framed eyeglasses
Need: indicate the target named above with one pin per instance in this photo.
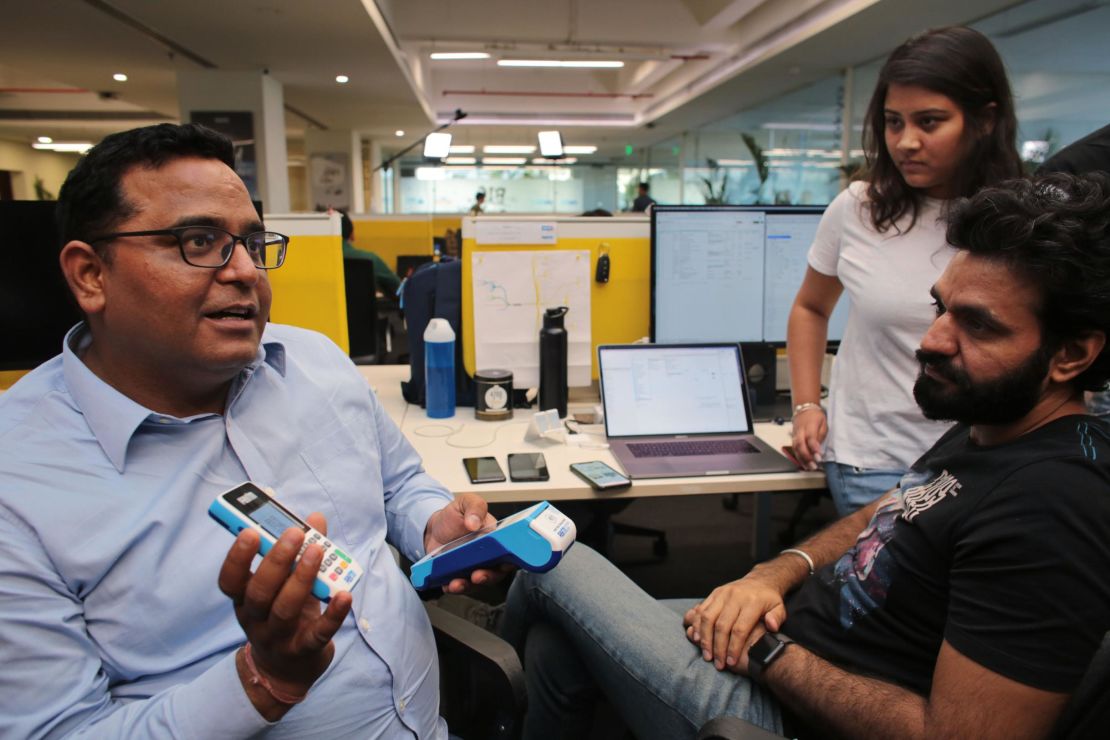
(209, 246)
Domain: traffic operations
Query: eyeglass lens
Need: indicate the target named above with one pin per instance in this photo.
(211, 247)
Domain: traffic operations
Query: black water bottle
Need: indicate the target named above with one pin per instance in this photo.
(553, 361)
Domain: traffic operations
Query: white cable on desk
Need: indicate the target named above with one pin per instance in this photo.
(419, 431)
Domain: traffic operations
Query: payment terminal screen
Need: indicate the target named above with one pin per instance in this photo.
(274, 520)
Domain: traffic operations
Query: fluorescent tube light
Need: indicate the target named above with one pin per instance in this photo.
(437, 146)
(448, 55)
(562, 63)
(579, 149)
(504, 160)
(549, 163)
(551, 143)
(461, 160)
(507, 149)
(65, 146)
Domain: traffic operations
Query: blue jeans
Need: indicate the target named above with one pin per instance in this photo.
(585, 629)
(853, 488)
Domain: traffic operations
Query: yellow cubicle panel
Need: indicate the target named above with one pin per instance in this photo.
(441, 223)
(392, 236)
(8, 378)
(619, 309)
(308, 288)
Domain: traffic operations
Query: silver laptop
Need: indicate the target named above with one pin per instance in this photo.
(677, 410)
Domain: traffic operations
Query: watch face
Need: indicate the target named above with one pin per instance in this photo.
(763, 653)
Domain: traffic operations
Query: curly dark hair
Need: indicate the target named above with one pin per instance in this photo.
(964, 66)
(1054, 232)
(91, 201)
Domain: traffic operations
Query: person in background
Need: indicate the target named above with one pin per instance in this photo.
(643, 200)
(1089, 154)
(386, 280)
(479, 201)
(940, 125)
(174, 389)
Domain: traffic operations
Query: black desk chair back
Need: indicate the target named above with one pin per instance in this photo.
(362, 310)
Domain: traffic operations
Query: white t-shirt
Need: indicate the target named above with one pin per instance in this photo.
(874, 421)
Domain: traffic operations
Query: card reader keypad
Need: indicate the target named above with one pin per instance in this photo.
(335, 563)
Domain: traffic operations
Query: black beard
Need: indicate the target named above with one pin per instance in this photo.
(1002, 400)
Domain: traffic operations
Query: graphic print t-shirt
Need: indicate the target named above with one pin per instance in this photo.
(1002, 551)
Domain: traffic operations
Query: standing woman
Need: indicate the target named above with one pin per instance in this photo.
(940, 125)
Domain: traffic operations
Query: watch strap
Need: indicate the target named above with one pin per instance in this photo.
(765, 651)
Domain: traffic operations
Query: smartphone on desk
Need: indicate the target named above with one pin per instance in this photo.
(600, 476)
(483, 470)
(527, 467)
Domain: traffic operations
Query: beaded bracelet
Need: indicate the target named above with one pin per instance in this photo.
(801, 408)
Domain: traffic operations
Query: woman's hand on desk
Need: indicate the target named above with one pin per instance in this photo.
(466, 514)
(810, 430)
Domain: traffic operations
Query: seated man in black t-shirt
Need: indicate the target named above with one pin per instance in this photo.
(966, 602)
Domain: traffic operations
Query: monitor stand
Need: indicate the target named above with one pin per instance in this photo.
(759, 365)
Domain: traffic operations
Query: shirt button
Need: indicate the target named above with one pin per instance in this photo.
(401, 705)
(163, 420)
(364, 624)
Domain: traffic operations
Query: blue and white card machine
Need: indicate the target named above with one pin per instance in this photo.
(534, 539)
(249, 507)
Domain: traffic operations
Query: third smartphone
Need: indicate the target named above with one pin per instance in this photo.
(600, 476)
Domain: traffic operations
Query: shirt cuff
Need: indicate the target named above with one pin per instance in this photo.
(215, 705)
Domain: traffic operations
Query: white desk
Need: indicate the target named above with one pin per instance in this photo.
(443, 443)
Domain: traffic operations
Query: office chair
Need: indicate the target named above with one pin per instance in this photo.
(600, 530)
(482, 691)
(1087, 711)
(362, 310)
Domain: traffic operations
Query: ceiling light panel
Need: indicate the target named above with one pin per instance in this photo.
(504, 160)
(580, 149)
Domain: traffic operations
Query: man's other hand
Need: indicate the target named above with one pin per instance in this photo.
(467, 513)
(733, 617)
(290, 636)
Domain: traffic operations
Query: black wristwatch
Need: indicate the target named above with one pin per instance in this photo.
(765, 651)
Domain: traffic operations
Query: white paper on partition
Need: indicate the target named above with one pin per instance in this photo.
(495, 231)
(511, 292)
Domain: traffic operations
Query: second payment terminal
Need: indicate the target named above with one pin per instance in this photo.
(534, 539)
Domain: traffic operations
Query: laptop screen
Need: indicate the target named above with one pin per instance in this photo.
(672, 389)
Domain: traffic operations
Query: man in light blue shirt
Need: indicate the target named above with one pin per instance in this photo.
(173, 390)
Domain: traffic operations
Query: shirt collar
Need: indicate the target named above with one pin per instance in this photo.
(113, 417)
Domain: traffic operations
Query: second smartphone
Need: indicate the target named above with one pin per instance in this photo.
(528, 466)
(600, 476)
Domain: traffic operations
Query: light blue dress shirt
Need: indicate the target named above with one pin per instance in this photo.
(111, 622)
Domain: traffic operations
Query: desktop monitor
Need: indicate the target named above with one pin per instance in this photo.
(730, 273)
(36, 309)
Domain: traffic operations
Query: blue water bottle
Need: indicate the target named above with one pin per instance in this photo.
(439, 369)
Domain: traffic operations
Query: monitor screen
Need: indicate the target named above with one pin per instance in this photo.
(36, 310)
(730, 273)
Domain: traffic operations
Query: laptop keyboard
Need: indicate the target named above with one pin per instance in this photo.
(689, 448)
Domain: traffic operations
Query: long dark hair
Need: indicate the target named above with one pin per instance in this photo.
(964, 66)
